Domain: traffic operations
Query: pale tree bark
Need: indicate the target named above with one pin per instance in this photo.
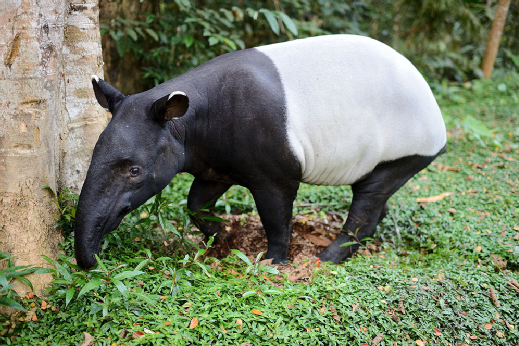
(496, 31)
(49, 121)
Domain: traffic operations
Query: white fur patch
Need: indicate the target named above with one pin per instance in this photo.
(176, 93)
(96, 78)
(353, 102)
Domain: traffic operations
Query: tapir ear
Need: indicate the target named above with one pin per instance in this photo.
(106, 95)
(170, 107)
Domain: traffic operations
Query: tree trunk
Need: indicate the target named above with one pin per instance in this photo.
(493, 38)
(48, 115)
(124, 72)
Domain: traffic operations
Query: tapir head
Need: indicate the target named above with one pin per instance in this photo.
(135, 157)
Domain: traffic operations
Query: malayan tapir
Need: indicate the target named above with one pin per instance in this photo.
(329, 110)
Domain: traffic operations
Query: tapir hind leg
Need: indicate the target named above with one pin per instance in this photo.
(274, 203)
(203, 195)
(369, 206)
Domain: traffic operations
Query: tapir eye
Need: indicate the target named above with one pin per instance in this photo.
(134, 171)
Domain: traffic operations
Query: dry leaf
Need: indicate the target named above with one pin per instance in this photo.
(239, 323)
(319, 241)
(355, 307)
(437, 332)
(420, 343)
(43, 305)
(499, 334)
(401, 307)
(194, 323)
(89, 339)
(123, 334)
(514, 284)
(248, 343)
(137, 335)
(478, 248)
(30, 294)
(34, 318)
(494, 297)
(508, 325)
(500, 262)
(434, 198)
(473, 337)
(376, 340)
(516, 236)
(488, 325)
(299, 273)
(223, 329)
(265, 262)
(334, 313)
(256, 312)
(167, 323)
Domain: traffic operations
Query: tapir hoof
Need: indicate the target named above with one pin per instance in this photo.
(335, 253)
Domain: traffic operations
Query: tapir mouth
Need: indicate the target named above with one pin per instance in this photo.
(89, 233)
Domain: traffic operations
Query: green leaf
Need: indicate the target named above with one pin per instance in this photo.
(145, 298)
(248, 293)
(69, 295)
(44, 271)
(63, 271)
(152, 33)
(289, 23)
(213, 218)
(11, 303)
(213, 41)
(270, 270)
(349, 243)
(141, 265)
(271, 19)
(241, 256)
(131, 33)
(477, 126)
(127, 274)
(188, 41)
(272, 292)
(90, 286)
(121, 287)
(26, 281)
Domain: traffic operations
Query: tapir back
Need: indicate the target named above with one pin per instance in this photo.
(351, 103)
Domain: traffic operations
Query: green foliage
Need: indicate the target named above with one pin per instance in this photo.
(444, 39)
(67, 205)
(8, 296)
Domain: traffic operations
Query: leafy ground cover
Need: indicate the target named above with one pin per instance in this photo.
(443, 269)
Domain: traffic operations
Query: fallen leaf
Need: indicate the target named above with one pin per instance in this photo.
(500, 262)
(355, 307)
(34, 318)
(488, 325)
(137, 335)
(123, 334)
(516, 236)
(401, 307)
(239, 323)
(43, 305)
(194, 323)
(256, 312)
(514, 284)
(30, 295)
(137, 239)
(434, 198)
(225, 332)
(499, 334)
(473, 337)
(167, 323)
(299, 273)
(316, 240)
(478, 248)
(147, 331)
(248, 343)
(494, 297)
(335, 315)
(265, 262)
(377, 339)
(437, 332)
(414, 279)
(452, 211)
(89, 339)
(420, 343)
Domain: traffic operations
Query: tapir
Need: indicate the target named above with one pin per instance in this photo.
(328, 110)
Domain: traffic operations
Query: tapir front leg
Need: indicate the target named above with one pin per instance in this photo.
(202, 194)
(369, 207)
(274, 203)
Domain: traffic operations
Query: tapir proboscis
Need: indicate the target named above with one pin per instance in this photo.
(329, 110)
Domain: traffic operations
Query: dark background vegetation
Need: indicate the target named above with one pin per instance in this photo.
(154, 41)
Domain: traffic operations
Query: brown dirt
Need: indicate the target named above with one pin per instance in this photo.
(309, 236)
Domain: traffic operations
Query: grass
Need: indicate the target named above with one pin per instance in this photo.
(435, 263)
